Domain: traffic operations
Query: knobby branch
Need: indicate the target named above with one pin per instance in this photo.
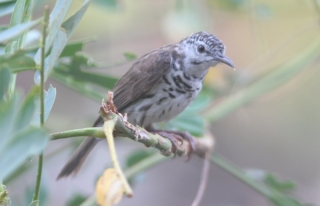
(123, 128)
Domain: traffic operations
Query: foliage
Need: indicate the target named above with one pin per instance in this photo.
(4, 198)
(76, 200)
(23, 135)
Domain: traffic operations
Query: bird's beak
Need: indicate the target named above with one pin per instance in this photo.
(225, 60)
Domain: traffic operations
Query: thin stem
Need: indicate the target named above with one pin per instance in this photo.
(108, 130)
(90, 131)
(38, 181)
(203, 181)
(42, 66)
(42, 46)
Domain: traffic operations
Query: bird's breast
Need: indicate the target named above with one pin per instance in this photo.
(174, 92)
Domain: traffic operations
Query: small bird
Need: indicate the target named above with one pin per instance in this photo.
(158, 87)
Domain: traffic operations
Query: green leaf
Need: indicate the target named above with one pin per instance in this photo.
(71, 49)
(276, 197)
(4, 198)
(138, 156)
(28, 10)
(8, 112)
(16, 62)
(49, 97)
(188, 122)
(4, 81)
(82, 60)
(74, 70)
(111, 4)
(6, 8)
(270, 180)
(202, 101)
(27, 109)
(11, 47)
(16, 146)
(56, 18)
(29, 51)
(80, 87)
(134, 159)
(3, 27)
(17, 30)
(129, 56)
(56, 34)
(76, 200)
(22, 12)
(60, 41)
(282, 186)
(23, 145)
(72, 22)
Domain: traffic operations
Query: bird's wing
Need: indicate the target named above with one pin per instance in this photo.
(143, 75)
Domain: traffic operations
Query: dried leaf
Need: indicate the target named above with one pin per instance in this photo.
(109, 188)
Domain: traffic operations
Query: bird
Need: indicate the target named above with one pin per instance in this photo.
(158, 86)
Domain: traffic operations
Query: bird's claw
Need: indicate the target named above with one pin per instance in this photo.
(192, 143)
(174, 139)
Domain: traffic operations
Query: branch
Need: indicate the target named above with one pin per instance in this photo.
(118, 123)
(107, 111)
(124, 129)
(36, 194)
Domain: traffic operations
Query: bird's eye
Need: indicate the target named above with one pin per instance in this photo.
(201, 49)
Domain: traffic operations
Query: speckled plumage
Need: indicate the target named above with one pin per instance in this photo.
(176, 79)
(169, 97)
(159, 86)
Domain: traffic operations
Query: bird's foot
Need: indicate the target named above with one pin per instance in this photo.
(176, 139)
(189, 138)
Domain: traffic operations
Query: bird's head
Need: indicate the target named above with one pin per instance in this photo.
(203, 50)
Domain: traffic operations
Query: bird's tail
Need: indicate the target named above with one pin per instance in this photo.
(79, 156)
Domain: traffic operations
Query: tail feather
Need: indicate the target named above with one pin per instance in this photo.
(79, 156)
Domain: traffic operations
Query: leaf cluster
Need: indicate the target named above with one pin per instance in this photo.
(22, 135)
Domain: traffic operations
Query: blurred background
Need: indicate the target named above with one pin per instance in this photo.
(277, 132)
